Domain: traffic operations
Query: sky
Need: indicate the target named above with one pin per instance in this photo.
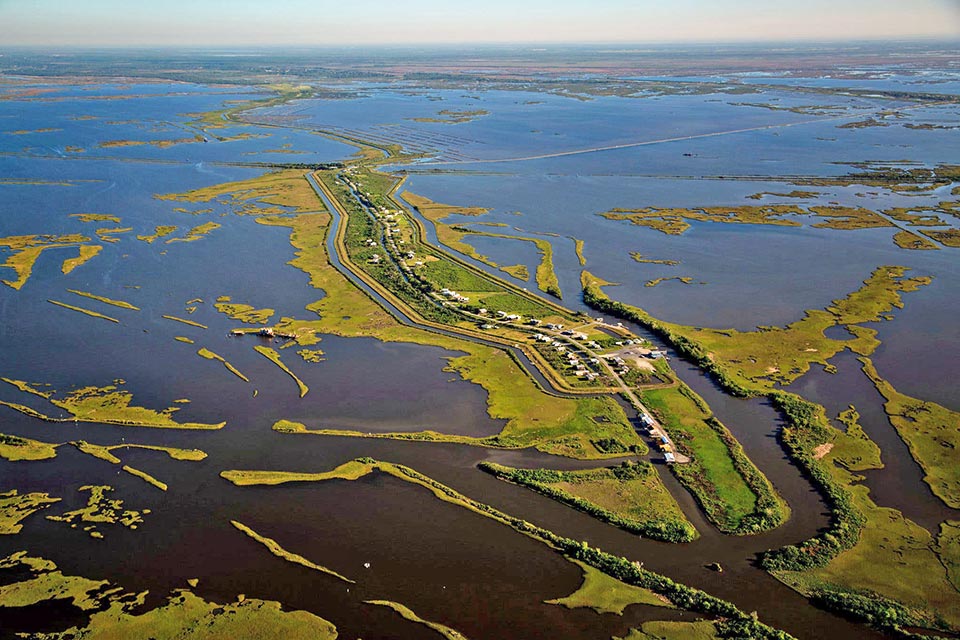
(343, 22)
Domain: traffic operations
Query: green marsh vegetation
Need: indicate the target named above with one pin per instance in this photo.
(115, 613)
(47, 583)
(578, 247)
(931, 431)
(892, 177)
(311, 355)
(452, 236)
(160, 144)
(754, 361)
(451, 116)
(735, 623)
(183, 321)
(605, 594)
(670, 630)
(196, 233)
(146, 477)
(110, 301)
(546, 275)
(274, 357)
(16, 507)
(101, 405)
(161, 231)
(872, 563)
(186, 615)
(24, 251)
(656, 281)
(796, 193)
(578, 428)
(351, 470)
(674, 221)
(100, 510)
(109, 235)
(407, 614)
(920, 216)
(203, 352)
(285, 191)
(518, 271)
(639, 257)
(948, 237)
(274, 547)
(87, 312)
(15, 448)
(85, 253)
(837, 217)
(243, 312)
(630, 497)
(909, 240)
(869, 553)
(561, 425)
(736, 497)
(96, 217)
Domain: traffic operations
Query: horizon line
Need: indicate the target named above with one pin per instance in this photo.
(904, 39)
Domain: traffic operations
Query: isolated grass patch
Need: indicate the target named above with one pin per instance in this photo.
(931, 431)
(604, 594)
(632, 497)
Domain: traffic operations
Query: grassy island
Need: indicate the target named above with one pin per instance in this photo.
(630, 497)
(116, 613)
(931, 431)
(16, 507)
(604, 594)
(103, 405)
(734, 622)
(407, 614)
(872, 563)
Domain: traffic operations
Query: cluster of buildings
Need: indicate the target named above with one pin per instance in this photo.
(649, 427)
(453, 295)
